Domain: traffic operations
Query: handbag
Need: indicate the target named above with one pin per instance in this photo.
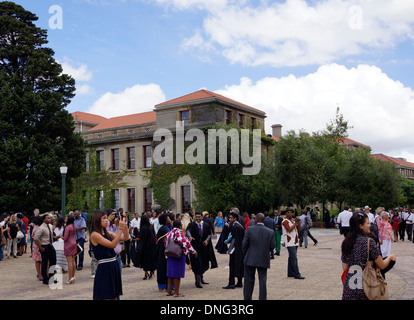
(173, 249)
(218, 229)
(20, 235)
(375, 287)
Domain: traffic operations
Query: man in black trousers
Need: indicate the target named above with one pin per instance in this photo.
(44, 241)
(258, 241)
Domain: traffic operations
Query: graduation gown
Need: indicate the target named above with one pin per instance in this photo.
(161, 260)
(237, 257)
(205, 254)
(145, 249)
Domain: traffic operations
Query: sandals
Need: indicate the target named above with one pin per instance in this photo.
(169, 294)
(178, 295)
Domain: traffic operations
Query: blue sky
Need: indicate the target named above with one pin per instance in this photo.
(296, 60)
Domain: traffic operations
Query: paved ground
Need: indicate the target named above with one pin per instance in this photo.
(320, 265)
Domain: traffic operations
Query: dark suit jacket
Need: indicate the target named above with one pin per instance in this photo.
(257, 243)
(270, 223)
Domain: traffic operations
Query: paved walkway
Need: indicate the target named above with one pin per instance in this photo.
(320, 265)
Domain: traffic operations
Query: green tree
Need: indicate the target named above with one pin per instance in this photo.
(407, 192)
(36, 132)
(87, 186)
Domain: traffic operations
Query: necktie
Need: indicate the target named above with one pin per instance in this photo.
(200, 229)
(50, 234)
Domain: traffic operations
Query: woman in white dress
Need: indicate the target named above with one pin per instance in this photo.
(59, 245)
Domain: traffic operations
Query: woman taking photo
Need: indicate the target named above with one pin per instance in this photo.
(107, 283)
(355, 253)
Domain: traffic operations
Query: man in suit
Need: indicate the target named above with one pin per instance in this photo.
(257, 243)
(270, 223)
(199, 234)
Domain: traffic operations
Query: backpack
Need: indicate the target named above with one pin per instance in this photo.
(375, 287)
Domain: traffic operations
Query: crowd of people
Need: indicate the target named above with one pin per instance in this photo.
(117, 241)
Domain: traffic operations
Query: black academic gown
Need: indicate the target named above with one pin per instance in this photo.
(237, 257)
(200, 264)
(146, 247)
(161, 261)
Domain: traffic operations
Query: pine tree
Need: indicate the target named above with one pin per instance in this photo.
(36, 132)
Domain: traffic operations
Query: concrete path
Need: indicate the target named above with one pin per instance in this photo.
(320, 265)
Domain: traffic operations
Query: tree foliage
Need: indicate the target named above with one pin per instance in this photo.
(36, 132)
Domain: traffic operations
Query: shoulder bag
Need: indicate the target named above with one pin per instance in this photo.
(173, 249)
(375, 287)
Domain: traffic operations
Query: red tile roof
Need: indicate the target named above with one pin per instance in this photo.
(350, 141)
(395, 161)
(88, 117)
(125, 121)
(203, 94)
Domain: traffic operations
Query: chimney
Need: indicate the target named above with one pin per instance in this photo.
(277, 130)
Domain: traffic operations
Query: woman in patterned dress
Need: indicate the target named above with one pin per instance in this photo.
(70, 248)
(36, 257)
(385, 234)
(176, 266)
(355, 255)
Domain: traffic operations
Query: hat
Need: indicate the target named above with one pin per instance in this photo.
(205, 212)
(367, 207)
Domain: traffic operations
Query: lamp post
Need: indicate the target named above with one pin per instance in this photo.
(63, 172)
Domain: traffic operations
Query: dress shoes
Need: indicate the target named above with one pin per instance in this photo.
(199, 286)
(299, 277)
(204, 282)
(239, 285)
(230, 286)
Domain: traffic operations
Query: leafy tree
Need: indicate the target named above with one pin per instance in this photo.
(407, 190)
(86, 187)
(36, 132)
(218, 186)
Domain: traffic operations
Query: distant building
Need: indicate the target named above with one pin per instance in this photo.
(126, 142)
(405, 168)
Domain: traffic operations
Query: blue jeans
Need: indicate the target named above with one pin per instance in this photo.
(2, 252)
(293, 268)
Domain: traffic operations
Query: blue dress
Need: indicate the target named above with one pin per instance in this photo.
(107, 284)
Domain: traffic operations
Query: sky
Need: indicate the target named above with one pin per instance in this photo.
(296, 60)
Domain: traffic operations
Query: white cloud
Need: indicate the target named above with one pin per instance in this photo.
(79, 72)
(379, 108)
(136, 99)
(295, 32)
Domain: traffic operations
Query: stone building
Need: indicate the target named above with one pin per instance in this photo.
(126, 142)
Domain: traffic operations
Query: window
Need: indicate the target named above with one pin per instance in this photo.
(185, 116)
(241, 120)
(147, 156)
(100, 158)
(147, 199)
(131, 157)
(228, 116)
(87, 162)
(131, 200)
(252, 123)
(115, 159)
(116, 198)
(186, 199)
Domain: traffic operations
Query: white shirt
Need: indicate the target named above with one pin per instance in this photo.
(371, 217)
(344, 217)
(135, 223)
(410, 218)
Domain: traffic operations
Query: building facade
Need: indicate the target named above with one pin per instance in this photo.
(126, 143)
